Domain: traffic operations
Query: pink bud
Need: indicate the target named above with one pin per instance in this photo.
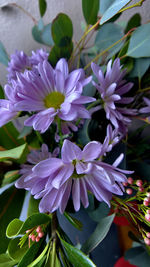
(37, 239)
(129, 191)
(148, 235)
(141, 189)
(148, 211)
(38, 229)
(139, 182)
(148, 194)
(130, 180)
(27, 231)
(30, 236)
(33, 238)
(147, 241)
(125, 184)
(41, 234)
(147, 217)
(146, 203)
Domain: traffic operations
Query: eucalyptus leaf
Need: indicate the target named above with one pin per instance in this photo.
(60, 52)
(3, 55)
(14, 250)
(141, 65)
(139, 42)
(83, 133)
(90, 10)
(107, 35)
(102, 211)
(76, 223)
(62, 30)
(76, 256)
(11, 204)
(113, 10)
(25, 131)
(42, 7)
(134, 22)
(43, 35)
(14, 153)
(138, 256)
(98, 235)
(104, 5)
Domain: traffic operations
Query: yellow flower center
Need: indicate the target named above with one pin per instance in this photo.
(54, 100)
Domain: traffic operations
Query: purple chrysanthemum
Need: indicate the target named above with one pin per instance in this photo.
(112, 87)
(53, 93)
(78, 172)
(19, 62)
(146, 109)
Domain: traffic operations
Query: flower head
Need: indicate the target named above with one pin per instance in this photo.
(51, 93)
(112, 87)
(77, 171)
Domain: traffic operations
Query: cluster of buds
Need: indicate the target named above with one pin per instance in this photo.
(35, 234)
(147, 239)
(138, 185)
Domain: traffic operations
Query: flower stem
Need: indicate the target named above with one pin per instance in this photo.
(108, 48)
(24, 11)
(134, 5)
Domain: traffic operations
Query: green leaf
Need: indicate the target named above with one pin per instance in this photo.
(138, 256)
(141, 65)
(14, 250)
(83, 133)
(99, 234)
(42, 7)
(102, 211)
(90, 10)
(76, 223)
(62, 30)
(3, 55)
(11, 204)
(9, 135)
(60, 52)
(10, 177)
(39, 258)
(17, 227)
(25, 131)
(14, 153)
(104, 5)
(43, 35)
(30, 254)
(33, 206)
(113, 10)
(139, 42)
(107, 35)
(134, 22)
(6, 261)
(76, 256)
(2, 96)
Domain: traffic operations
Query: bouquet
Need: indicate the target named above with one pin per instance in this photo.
(74, 143)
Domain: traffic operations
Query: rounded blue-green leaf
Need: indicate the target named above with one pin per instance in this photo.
(62, 30)
(90, 10)
(113, 10)
(140, 42)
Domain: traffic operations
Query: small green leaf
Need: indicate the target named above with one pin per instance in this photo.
(3, 55)
(62, 30)
(43, 34)
(39, 258)
(14, 250)
(139, 42)
(141, 65)
(9, 135)
(33, 206)
(11, 204)
(14, 153)
(90, 10)
(134, 22)
(113, 10)
(6, 261)
(13, 228)
(76, 256)
(42, 7)
(10, 177)
(99, 234)
(2, 96)
(76, 223)
(60, 52)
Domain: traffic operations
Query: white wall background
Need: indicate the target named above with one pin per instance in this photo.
(15, 26)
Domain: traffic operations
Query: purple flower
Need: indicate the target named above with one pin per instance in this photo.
(146, 109)
(112, 87)
(78, 171)
(19, 62)
(54, 93)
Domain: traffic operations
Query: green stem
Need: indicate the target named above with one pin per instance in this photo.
(24, 11)
(134, 5)
(39, 137)
(143, 90)
(95, 103)
(107, 49)
(60, 132)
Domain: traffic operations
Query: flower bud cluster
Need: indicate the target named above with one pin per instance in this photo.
(35, 234)
(134, 184)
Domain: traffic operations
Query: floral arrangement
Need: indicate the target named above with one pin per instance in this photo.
(68, 144)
